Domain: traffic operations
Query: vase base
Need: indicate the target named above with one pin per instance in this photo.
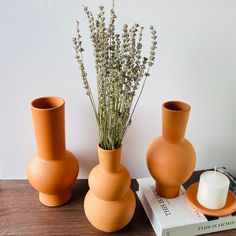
(109, 216)
(167, 192)
(54, 200)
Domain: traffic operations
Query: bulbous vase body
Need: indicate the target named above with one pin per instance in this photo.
(109, 205)
(53, 169)
(171, 158)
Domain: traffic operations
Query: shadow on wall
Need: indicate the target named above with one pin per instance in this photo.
(87, 160)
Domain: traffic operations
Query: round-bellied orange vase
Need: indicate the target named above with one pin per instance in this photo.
(53, 169)
(109, 205)
(171, 158)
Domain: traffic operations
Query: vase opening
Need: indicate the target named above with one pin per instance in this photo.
(47, 103)
(176, 106)
(108, 150)
(110, 159)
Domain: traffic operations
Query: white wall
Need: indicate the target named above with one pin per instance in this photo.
(196, 63)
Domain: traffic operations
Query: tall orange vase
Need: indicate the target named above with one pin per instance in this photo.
(171, 158)
(109, 204)
(53, 169)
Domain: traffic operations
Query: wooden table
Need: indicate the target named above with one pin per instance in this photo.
(21, 213)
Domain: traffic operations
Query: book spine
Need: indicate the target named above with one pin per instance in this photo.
(154, 222)
(222, 224)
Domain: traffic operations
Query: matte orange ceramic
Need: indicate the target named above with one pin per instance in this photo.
(109, 204)
(53, 169)
(229, 208)
(171, 158)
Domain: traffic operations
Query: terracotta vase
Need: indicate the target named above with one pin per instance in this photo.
(53, 169)
(109, 204)
(171, 158)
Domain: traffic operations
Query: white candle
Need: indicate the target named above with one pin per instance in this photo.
(213, 190)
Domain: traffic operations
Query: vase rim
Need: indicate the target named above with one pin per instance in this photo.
(176, 106)
(105, 150)
(47, 103)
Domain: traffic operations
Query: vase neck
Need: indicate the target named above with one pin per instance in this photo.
(49, 124)
(175, 116)
(110, 159)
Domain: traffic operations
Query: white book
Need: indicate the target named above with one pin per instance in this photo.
(175, 217)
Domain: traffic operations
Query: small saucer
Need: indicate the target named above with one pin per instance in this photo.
(229, 208)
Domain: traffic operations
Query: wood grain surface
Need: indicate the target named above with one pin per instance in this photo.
(21, 213)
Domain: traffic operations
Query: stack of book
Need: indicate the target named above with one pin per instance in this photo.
(175, 217)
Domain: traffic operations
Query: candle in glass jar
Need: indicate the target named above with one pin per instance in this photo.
(213, 190)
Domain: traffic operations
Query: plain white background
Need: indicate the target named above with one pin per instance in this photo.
(196, 63)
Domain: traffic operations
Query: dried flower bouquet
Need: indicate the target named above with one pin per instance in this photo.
(120, 68)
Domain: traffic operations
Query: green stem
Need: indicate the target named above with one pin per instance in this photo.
(90, 94)
(136, 103)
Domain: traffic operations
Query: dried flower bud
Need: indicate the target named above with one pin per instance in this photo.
(120, 69)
